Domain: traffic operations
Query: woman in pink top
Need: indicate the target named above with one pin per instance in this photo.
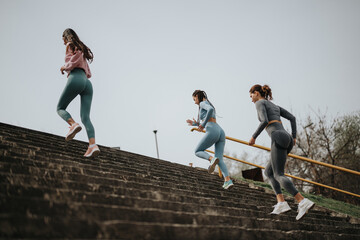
(78, 74)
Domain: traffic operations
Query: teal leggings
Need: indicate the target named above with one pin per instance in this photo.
(214, 135)
(78, 84)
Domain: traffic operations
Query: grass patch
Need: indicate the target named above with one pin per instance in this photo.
(335, 205)
(338, 206)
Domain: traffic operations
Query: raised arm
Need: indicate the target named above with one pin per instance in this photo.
(291, 118)
(262, 115)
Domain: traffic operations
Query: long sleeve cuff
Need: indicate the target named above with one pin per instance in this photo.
(195, 124)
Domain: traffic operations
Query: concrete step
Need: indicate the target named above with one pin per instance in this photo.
(109, 193)
(32, 227)
(176, 231)
(110, 186)
(122, 207)
(48, 190)
(57, 170)
(114, 195)
(64, 180)
(118, 164)
(209, 191)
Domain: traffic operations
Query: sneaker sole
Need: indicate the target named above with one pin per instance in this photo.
(212, 167)
(306, 212)
(72, 135)
(229, 187)
(93, 154)
(281, 212)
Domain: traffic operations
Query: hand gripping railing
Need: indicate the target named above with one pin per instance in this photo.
(293, 156)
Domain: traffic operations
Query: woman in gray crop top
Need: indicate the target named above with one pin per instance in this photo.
(281, 144)
(214, 135)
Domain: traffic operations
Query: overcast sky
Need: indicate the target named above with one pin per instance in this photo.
(149, 56)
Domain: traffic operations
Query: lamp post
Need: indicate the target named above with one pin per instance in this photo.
(157, 148)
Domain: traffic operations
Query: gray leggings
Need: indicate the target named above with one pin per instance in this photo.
(281, 145)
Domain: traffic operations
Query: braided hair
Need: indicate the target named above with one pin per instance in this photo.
(201, 95)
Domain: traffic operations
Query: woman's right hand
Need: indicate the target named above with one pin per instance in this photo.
(190, 122)
(62, 69)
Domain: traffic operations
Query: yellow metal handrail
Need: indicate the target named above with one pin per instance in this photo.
(293, 156)
(299, 178)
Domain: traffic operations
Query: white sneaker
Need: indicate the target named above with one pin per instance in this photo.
(304, 206)
(281, 207)
(228, 184)
(213, 164)
(74, 129)
(92, 151)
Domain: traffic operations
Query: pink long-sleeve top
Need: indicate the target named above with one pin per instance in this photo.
(75, 59)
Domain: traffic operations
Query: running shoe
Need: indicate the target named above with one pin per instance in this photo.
(213, 164)
(281, 207)
(228, 184)
(304, 206)
(92, 151)
(74, 129)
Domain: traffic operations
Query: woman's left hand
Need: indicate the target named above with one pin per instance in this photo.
(200, 128)
(252, 141)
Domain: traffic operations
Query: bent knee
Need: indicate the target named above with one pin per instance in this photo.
(197, 153)
(59, 108)
(279, 177)
(60, 111)
(268, 173)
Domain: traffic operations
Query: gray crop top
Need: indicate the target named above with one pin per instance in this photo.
(206, 112)
(268, 111)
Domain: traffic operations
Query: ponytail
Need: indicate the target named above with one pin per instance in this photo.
(265, 91)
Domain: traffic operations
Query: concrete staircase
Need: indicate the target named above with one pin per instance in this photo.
(49, 191)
